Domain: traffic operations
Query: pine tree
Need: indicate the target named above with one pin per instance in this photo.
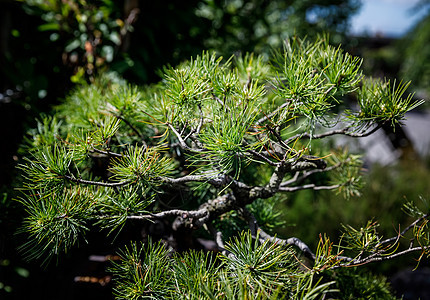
(207, 153)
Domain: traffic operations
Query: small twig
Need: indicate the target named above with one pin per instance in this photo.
(98, 183)
(108, 153)
(181, 140)
(396, 238)
(189, 135)
(219, 241)
(267, 117)
(291, 181)
(343, 131)
(199, 127)
(296, 179)
(263, 157)
(310, 186)
(217, 99)
(278, 137)
(217, 236)
(373, 258)
(133, 128)
(253, 224)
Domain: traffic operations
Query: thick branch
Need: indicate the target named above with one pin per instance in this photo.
(269, 189)
(246, 194)
(171, 213)
(217, 180)
(193, 218)
(184, 179)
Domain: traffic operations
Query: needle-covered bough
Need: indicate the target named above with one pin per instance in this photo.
(205, 154)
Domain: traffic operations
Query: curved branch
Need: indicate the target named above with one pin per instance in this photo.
(344, 131)
(267, 117)
(296, 179)
(255, 229)
(217, 180)
(185, 179)
(264, 158)
(193, 218)
(396, 238)
(217, 236)
(356, 262)
(182, 141)
(379, 254)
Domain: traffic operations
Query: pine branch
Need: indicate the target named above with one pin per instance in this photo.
(107, 153)
(310, 186)
(250, 193)
(182, 142)
(185, 214)
(344, 131)
(257, 231)
(263, 158)
(272, 114)
(396, 238)
(218, 239)
(224, 133)
(193, 218)
(351, 262)
(133, 128)
(98, 183)
(379, 254)
(307, 174)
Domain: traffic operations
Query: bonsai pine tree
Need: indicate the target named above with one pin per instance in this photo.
(205, 155)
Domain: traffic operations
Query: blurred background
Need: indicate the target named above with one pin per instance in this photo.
(49, 46)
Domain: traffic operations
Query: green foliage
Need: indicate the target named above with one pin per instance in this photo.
(364, 239)
(142, 272)
(264, 267)
(354, 283)
(308, 289)
(391, 106)
(210, 148)
(196, 275)
(252, 270)
(349, 176)
(116, 208)
(267, 215)
(55, 221)
(141, 166)
(48, 167)
(321, 73)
